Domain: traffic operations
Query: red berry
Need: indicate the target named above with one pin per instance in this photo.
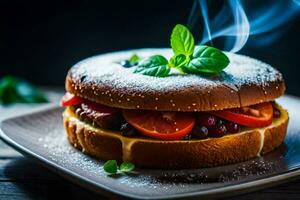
(187, 137)
(200, 132)
(232, 127)
(207, 120)
(219, 131)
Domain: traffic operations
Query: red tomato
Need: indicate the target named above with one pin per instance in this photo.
(161, 125)
(70, 100)
(259, 115)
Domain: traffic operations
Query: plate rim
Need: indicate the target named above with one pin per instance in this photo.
(70, 175)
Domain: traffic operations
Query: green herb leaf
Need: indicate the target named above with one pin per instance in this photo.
(111, 167)
(7, 90)
(207, 59)
(182, 41)
(126, 167)
(156, 65)
(204, 59)
(134, 58)
(14, 90)
(29, 93)
(178, 60)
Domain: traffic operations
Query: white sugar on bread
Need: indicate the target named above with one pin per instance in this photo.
(245, 81)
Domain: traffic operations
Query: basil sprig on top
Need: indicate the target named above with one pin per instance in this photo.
(182, 41)
(206, 59)
(187, 57)
(156, 65)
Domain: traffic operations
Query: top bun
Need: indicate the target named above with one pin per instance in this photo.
(246, 81)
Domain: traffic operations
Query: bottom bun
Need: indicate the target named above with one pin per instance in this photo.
(179, 154)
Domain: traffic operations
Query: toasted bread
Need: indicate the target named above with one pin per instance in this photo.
(179, 154)
(246, 81)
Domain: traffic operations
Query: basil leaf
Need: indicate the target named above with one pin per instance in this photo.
(29, 93)
(14, 90)
(134, 58)
(7, 90)
(182, 41)
(156, 65)
(178, 60)
(207, 59)
(127, 167)
(111, 167)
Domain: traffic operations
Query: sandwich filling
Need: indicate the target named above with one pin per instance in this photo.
(172, 125)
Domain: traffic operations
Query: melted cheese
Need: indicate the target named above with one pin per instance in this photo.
(262, 140)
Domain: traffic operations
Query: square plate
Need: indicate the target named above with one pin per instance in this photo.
(41, 136)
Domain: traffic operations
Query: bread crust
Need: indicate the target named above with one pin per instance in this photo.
(180, 154)
(244, 82)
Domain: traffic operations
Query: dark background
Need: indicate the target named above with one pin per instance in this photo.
(40, 40)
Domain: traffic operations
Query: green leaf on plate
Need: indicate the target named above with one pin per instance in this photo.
(126, 167)
(111, 167)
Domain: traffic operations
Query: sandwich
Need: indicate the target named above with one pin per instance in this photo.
(177, 120)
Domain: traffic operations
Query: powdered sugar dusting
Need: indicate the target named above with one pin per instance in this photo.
(105, 70)
(149, 182)
(58, 147)
(43, 134)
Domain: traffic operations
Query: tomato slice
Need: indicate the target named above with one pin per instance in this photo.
(70, 100)
(161, 125)
(259, 115)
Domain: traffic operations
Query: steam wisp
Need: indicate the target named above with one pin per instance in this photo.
(238, 20)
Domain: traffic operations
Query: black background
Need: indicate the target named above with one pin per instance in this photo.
(40, 40)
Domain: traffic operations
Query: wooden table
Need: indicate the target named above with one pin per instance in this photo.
(22, 178)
